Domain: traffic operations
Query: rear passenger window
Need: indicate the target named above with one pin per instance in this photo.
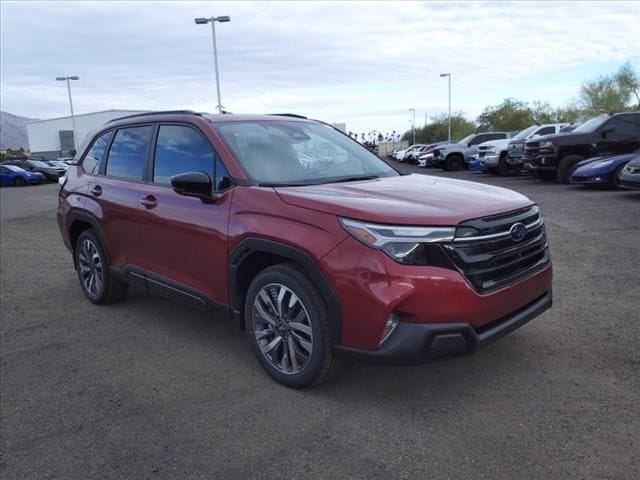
(91, 162)
(128, 153)
(181, 149)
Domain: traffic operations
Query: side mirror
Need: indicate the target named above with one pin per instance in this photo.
(193, 184)
(607, 129)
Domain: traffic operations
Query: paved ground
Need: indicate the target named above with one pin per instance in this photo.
(16, 202)
(152, 389)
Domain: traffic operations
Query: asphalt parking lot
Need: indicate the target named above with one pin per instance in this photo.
(152, 389)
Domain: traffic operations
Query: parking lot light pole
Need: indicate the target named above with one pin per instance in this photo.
(213, 20)
(449, 77)
(413, 125)
(73, 118)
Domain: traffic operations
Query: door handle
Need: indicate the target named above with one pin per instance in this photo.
(96, 190)
(149, 201)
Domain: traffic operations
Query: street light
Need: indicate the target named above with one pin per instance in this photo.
(448, 75)
(73, 118)
(213, 20)
(414, 124)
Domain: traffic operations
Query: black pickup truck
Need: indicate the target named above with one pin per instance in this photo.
(555, 156)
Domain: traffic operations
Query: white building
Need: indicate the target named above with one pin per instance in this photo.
(53, 138)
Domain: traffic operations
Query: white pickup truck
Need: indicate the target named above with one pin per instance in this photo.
(493, 155)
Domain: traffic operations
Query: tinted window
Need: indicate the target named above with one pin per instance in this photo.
(128, 153)
(92, 159)
(626, 126)
(223, 179)
(181, 149)
(546, 131)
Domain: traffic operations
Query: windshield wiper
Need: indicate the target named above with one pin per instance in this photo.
(278, 184)
(353, 179)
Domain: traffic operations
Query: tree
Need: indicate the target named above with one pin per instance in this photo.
(611, 93)
(511, 114)
(437, 130)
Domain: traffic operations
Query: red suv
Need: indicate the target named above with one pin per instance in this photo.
(314, 245)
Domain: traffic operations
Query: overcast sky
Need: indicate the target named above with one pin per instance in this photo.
(361, 63)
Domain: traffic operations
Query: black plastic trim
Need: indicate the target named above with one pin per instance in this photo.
(250, 245)
(414, 343)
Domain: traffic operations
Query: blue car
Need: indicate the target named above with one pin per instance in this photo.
(476, 165)
(601, 170)
(13, 175)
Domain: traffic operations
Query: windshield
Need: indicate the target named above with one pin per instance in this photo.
(593, 124)
(525, 133)
(466, 139)
(38, 163)
(14, 168)
(299, 153)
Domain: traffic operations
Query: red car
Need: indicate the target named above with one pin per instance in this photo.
(314, 245)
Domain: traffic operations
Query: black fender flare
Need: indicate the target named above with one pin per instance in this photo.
(250, 245)
(95, 225)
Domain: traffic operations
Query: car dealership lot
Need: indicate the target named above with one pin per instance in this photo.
(151, 389)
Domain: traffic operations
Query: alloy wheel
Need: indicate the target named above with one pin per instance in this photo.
(91, 268)
(282, 328)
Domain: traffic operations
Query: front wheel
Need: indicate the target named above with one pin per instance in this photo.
(566, 167)
(19, 182)
(454, 163)
(288, 327)
(505, 169)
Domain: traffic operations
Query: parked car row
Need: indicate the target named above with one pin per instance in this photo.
(29, 171)
(593, 153)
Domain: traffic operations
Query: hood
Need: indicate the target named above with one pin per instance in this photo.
(561, 138)
(501, 143)
(406, 200)
(595, 162)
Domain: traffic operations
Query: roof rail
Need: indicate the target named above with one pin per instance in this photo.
(164, 112)
(294, 115)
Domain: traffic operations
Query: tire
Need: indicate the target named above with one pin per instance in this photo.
(90, 260)
(505, 169)
(566, 166)
(493, 170)
(267, 320)
(454, 163)
(544, 175)
(616, 176)
(19, 182)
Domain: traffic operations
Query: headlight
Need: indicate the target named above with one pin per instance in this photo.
(547, 144)
(490, 150)
(403, 244)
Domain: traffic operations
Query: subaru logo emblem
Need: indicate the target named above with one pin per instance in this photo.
(518, 231)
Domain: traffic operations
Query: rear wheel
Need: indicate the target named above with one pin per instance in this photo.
(288, 327)
(19, 181)
(566, 166)
(454, 162)
(96, 280)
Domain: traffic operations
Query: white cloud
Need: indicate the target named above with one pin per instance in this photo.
(363, 63)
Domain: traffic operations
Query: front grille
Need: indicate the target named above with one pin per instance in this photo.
(489, 258)
(531, 149)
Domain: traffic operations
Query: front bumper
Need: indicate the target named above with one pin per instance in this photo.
(421, 343)
(490, 160)
(370, 286)
(541, 162)
(629, 184)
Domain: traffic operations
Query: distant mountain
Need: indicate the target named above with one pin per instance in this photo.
(13, 132)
